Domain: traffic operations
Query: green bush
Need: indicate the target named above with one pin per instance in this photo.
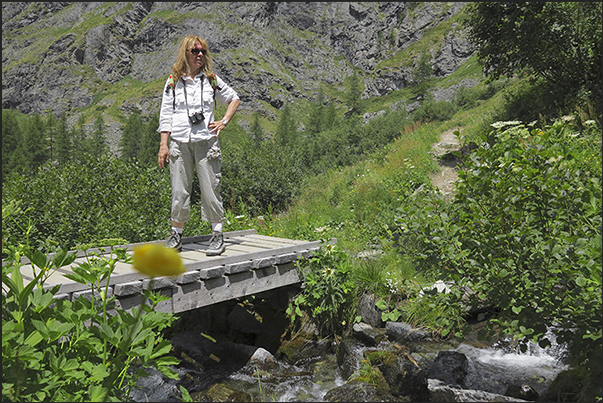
(58, 350)
(263, 174)
(329, 293)
(522, 236)
(431, 111)
(85, 202)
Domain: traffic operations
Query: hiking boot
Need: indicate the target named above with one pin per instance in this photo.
(216, 245)
(174, 241)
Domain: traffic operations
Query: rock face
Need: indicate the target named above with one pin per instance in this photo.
(69, 57)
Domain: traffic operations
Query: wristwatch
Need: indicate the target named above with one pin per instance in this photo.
(225, 122)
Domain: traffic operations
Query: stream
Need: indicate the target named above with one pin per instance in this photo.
(490, 369)
(251, 362)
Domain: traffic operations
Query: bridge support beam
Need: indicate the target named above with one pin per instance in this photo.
(199, 288)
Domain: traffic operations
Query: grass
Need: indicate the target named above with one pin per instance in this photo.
(357, 205)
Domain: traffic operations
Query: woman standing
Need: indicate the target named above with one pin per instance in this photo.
(187, 120)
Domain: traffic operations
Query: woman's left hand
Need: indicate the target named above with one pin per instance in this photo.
(216, 127)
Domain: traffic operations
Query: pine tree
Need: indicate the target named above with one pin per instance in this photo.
(421, 75)
(79, 139)
(329, 117)
(11, 138)
(97, 145)
(35, 143)
(131, 137)
(63, 145)
(315, 120)
(285, 128)
(51, 134)
(354, 96)
(149, 145)
(256, 129)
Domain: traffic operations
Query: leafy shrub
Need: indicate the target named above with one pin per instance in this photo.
(84, 202)
(431, 111)
(76, 351)
(522, 236)
(467, 98)
(329, 293)
(265, 175)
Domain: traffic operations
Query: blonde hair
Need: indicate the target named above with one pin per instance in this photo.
(181, 66)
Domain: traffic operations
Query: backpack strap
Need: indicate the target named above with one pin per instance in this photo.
(172, 84)
(214, 84)
(213, 81)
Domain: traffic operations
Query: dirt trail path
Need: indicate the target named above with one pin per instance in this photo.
(444, 180)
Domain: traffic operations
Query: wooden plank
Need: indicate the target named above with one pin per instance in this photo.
(192, 256)
(227, 235)
(275, 239)
(259, 245)
(268, 243)
(232, 249)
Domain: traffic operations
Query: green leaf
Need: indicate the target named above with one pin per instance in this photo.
(34, 338)
(186, 397)
(581, 281)
(162, 348)
(16, 284)
(99, 372)
(63, 258)
(41, 299)
(140, 337)
(18, 281)
(71, 365)
(108, 334)
(97, 393)
(167, 360)
(39, 259)
(25, 294)
(516, 309)
(168, 372)
(381, 304)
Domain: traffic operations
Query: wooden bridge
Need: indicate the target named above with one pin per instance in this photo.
(250, 264)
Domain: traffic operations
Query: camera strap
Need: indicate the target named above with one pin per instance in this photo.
(186, 98)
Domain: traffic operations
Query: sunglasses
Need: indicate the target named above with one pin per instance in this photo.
(196, 51)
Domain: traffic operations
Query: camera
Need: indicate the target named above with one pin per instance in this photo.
(197, 117)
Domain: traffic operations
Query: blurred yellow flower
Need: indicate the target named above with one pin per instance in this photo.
(155, 260)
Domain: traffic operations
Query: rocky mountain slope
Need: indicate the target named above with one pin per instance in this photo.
(85, 58)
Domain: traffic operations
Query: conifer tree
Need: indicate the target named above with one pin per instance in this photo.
(51, 124)
(79, 139)
(131, 137)
(285, 128)
(315, 120)
(63, 145)
(421, 74)
(329, 117)
(35, 143)
(149, 145)
(256, 129)
(354, 95)
(97, 145)
(11, 138)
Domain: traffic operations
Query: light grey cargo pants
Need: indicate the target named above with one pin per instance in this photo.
(204, 156)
